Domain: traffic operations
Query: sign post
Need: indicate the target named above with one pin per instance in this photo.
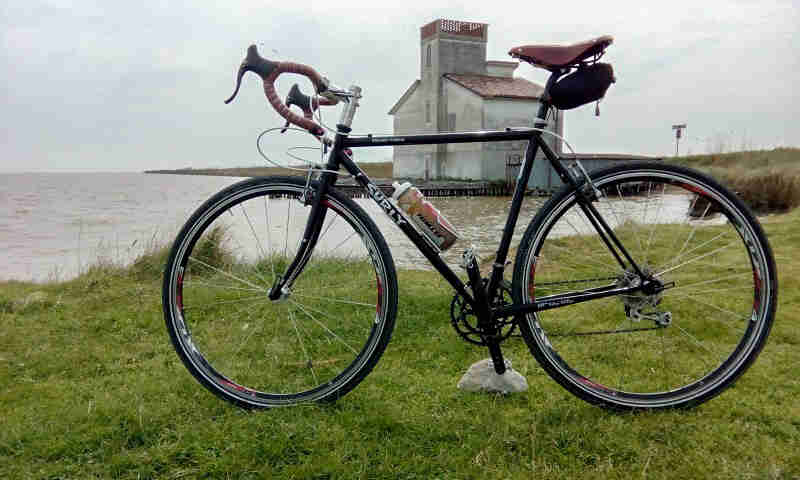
(678, 128)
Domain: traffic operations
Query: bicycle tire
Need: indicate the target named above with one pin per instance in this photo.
(624, 352)
(315, 345)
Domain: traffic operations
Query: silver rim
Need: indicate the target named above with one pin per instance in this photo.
(682, 231)
(302, 348)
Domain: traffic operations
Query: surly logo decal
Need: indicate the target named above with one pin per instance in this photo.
(385, 204)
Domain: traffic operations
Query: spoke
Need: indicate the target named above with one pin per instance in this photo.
(247, 339)
(738, 315)
(610, 204)
(686, 220)
(310, 268)
(655, 224)
(606, 266)
(743, 287)
(243, 299)
(269, 235)
(712, 252)
(198, 282)
(591, 229)
(288, 221)
(646, 203)
(302, 346)
(324, 314)
(257, 287)
(712, 281)
(694, 229)
(317, 248)
(343, 241)
(601, 305)
(693, 339)
(695, 248)
(324, 327)
(334, 217)
(634, 230)
(337, 300)
(258, 241)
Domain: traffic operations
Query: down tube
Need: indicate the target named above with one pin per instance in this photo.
(400, 219)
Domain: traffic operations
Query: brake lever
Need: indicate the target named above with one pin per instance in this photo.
(242, 70)
(253, 62)
(296, 97)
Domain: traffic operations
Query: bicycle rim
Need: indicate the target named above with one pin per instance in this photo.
(676, 348)
(315, 344)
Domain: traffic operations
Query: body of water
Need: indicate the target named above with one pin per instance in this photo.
(54, 225)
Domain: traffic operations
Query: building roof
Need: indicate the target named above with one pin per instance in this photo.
(443, 26)
(402, 100)
(498, 87)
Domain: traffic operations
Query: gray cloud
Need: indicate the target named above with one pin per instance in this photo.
(126, 86)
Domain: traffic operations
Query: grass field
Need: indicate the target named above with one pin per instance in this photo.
(90, 387)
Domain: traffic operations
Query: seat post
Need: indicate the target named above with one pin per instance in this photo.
(544, 106)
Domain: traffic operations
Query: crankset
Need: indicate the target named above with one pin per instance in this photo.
(465, 322)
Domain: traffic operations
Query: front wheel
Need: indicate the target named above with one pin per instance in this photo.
(676, 347)
(315, 343)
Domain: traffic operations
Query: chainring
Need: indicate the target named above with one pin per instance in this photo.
(465, 322)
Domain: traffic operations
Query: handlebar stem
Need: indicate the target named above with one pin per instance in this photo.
(349, 110)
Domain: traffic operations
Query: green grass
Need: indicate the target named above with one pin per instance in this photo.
(767, 180)
(90, 387)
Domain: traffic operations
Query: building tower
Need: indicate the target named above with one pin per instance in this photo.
(459, 90)
(446, 46)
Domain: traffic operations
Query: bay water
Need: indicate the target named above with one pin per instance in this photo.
(53, 226)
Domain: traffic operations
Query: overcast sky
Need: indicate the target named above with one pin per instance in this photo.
(106, 85)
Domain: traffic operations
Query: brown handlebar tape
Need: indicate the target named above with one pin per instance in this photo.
(306, 121)
(283, 110)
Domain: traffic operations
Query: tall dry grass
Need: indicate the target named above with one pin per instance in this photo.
(766, 180)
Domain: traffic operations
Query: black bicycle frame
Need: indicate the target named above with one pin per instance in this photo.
(339, 157)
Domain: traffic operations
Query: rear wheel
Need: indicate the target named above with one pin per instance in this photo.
(674, 348)
(319, 341)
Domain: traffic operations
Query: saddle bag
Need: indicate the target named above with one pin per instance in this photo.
(585, 85)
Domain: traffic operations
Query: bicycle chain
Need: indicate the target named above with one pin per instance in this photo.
(599, 332)
(603, 332)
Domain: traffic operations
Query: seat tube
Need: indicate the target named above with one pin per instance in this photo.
(519, 192)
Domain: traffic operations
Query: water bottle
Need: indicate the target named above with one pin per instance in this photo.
(424, 215)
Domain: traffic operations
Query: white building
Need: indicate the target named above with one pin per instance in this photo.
(459, 90)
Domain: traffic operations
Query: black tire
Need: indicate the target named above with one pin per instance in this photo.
(315, 345)
(685, 345)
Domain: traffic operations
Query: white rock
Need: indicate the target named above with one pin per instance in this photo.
(481, 377)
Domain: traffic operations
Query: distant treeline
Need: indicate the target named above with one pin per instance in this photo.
(374, 170)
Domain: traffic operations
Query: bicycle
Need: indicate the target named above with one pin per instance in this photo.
(639, 286)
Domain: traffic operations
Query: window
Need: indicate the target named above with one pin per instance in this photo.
(428, 112)
(428, 57)
(451, 122)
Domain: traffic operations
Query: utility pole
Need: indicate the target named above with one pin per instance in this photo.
(678, 128)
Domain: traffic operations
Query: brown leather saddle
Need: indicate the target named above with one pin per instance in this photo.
(559, 56)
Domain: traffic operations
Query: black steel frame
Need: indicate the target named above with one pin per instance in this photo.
(480, 299)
